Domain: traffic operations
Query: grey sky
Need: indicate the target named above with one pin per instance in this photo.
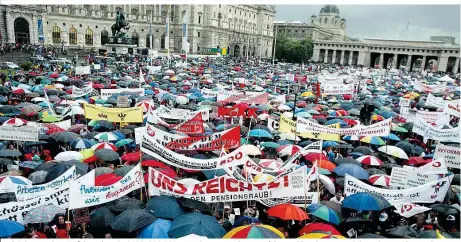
(386, 21)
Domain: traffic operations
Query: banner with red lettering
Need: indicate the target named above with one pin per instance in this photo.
(409, 209)
(338, 89)
(192, 126)
(300, 79)
(430, 88)
(237, 111)
(228, 189)
(244, 97)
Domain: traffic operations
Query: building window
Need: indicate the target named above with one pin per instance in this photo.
(230, 10)
(104, 37)
(89, 37)
(72, 36)
(303, 31)
(198, 34)
(296, 31)
(199, 18)
(325, 21)
(56, 34)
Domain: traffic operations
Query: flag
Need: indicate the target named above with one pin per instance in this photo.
(409, 209)
(49, 104)
(185, 20)
(313, 173)
(437, 166)
(167, 30)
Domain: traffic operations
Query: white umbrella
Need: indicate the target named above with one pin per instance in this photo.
(289, 136)
(288, 114)
(329, 185)
(182, 100)
(283, 107)
(38, 99)
(251, 150)
(263, 116)
(393, 151)
(69, 155)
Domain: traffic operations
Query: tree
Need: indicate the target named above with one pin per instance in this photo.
(294, 51)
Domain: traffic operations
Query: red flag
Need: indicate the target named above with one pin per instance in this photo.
(192, 126)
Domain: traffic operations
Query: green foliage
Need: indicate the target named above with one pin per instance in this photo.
(26, 65)
(294, 51)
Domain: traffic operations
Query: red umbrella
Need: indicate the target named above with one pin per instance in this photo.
(287, 212)
(319, 227)
(109, 181)
(312, 157)
(76, 128)
(103, 177)
(19, 91)
(416, 161)
(91, 159)
(54, 130)
(98, 86)
(152, 163)
(54, 75)
(131, 157)
(350, 122)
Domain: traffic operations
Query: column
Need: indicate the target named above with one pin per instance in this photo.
(341, 61)
(455, 68)
(325, 59)
(33, 30)
(333, 60)
(408, 65)
(351, 53)
(381, 61)
(394, 61)
(423, 64)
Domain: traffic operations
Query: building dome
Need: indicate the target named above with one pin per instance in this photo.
(337, 16)
(329, 9)
(314, 16)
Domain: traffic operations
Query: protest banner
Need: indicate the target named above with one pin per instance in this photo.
(123, 102)
(66, 124)
(434, 101)
(404, 102)
(131, 115)
(79, 92)
(421, 127)
(85, 195)
(237, 111)
(338, 89)
(178, 113)
(429, 88)
(150, 146)
(453, 108)
(16, 211)
(244, 97)
(408, 210)
(192, 126)
(428, 193)
(209, 92)
(23, 133)
(436, 166)
(450, 155)
(287, 125)
(377, 129)
(273, 124)
(228, 189)
(27, 192)
(82, 70)
(106, 93)
(430, 117)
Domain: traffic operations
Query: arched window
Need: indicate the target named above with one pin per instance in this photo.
(72, 36)
(162, 42)
(199, 18)
(104, 37)
(89, 37)
(148, 40)
(56, 35)
(198, 49)
(135, 39)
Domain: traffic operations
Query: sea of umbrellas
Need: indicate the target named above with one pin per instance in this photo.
(110, 149)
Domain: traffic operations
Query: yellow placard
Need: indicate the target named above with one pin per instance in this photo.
(119, 115)
(289, 126)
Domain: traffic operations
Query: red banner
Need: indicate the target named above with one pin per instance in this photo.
(300, 79)
(238, 111)
(248, 98)
(229, 139)
(192, 126)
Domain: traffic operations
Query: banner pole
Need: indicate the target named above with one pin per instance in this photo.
(140, 171)
(318, 184)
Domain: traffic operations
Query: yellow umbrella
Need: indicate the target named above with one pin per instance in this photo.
(261, 177)
(87, 153)
(307, 94)
(321, 236)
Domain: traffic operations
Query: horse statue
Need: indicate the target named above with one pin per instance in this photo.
(120, 24)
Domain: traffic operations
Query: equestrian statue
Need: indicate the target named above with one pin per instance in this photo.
(120, 24)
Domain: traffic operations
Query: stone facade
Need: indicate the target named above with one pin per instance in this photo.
(390, 53)
(246, 29)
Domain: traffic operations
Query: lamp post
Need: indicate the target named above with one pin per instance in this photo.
(296, 88)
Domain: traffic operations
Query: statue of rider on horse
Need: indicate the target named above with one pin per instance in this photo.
(120, 24)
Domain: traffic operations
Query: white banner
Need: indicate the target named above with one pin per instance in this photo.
(430, 88)
(408, 177)
(84, 195)
(378, 129)
(408, 210)
(434, 101)
(82, 70)
(79, 92)
(27, 192)
(426, 130)
(16, 211)
(150, 146)
(66, 124)
(430, 117)
(178, 113)
(450, 155)
(453, 108)
(23, 133)
(106, 93)
(403, 102)
(227, 189)
(338, 89)
(428, 193)
(154, 69)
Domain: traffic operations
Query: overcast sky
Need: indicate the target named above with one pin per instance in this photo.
(386, 21)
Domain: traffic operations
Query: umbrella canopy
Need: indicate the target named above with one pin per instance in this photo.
(194, 205)
(370, 160)
(132, 220)
(403, 232)
(164, 207)
(319, 227)
(43, 214)
(156, 230)
(196, 223)
(351, 169)
(319, 235)
(380, 180)
(327, 214)
(287, 212)
(101, 218)
(363, 201)
(393, 151)
(107, 155)
(126, 203)
(254, 231)
(64, 136)
(8, 228)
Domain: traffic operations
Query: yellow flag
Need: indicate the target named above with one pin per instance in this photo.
(119, 115)
(289, 126)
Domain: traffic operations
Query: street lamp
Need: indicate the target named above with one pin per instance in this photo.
(296, 89)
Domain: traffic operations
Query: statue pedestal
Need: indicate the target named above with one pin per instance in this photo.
(120, 48)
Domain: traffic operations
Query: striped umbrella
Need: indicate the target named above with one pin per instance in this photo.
(370, 160)
(15, 122)
(318, 235)
(380, 180)
(254, 231)
(104, 145)
(43, 214)
(288, 150)
(327, 214)
(271, 164)
(81, 143)
(8, 183)
(106, 136)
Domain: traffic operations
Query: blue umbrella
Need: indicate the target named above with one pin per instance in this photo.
(329, 144)
(363, 201)
(164, 207)
(29, 164)
(156, 230)
(210, 174)
(391, 136)
(342, 123)
(386, 114)
(285, 142)
(351, 169)
(81, 143)
(220, 127)
(196, 223)
(245, 220)
(325, 213)
(8, 228)
(260, 133)
(356, 155)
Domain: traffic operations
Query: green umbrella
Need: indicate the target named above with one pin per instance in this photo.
(51, 119)
(45, 82)
(270, 145)
(399, 129)
(123, 142)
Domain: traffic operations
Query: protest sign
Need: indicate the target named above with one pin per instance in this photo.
(430, 117)
(123, 102)
(85, 195)
(404, 102)
(452, 108)
(82, 70)
(450, 155)
(434, 101)
(27, 192)
(244, 97)
(192, 126)
(131, 115)
(338, 89)
(428, 193)
(228, 189)
(16, 211)
(429, 88)
(273, 124)
(428, 131)
(408, 177)
(408, 210)
(79, 92)
(150, 146)
(23, 133)
(106, 93)
(378, 129)
(178, 113)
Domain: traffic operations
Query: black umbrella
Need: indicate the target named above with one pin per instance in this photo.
(370, 236)
(10, 153)
(403, 232)
(4, 90)
(375, 171)
(104, 125)
(194, 205)
(6, 161)
(9, 109)
(405, 146)
(261, 127)
(60, 168)
(122, 171)
(107, 155)
(164, 207)
(126, 131)
(364, 150)
(147, 157)
(344, 160)
(408, 126)
(445, 209)
(90, 135)
(432, 234)
(34, 143)
(333, 205)
(64, 136)
(132, 220)
(101, 218)
(126, 203)
(43, 137)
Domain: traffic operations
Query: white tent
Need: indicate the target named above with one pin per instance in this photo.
(446, 78)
